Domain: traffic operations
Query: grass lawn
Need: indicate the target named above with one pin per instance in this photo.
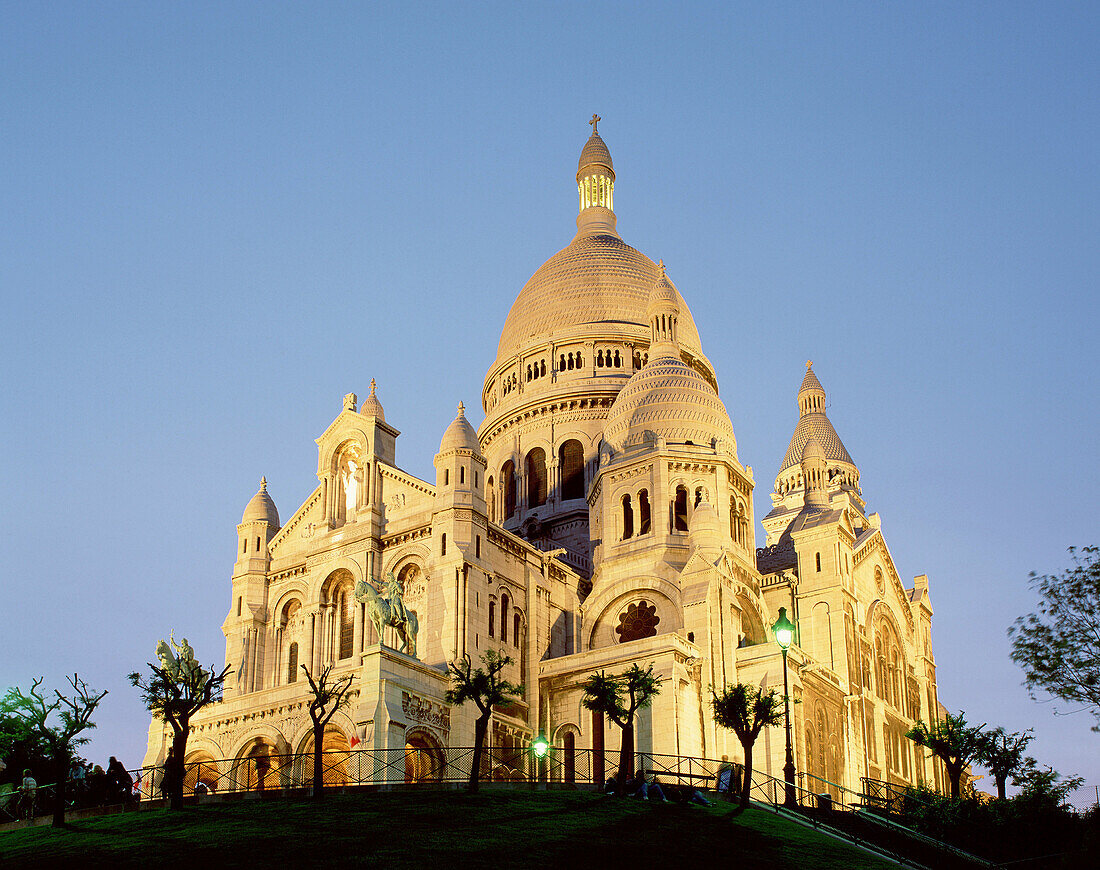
(433, 830)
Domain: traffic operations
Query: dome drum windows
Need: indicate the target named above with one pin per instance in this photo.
(508, 485)
(571, 465)
(536, 478)
(678, 521)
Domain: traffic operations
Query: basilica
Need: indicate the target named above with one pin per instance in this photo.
(599, 517)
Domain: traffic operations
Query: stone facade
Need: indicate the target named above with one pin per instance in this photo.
(600, 517)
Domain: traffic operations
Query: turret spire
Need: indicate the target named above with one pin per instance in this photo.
(663, 312)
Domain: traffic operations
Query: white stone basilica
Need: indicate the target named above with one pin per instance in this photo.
(600, 517)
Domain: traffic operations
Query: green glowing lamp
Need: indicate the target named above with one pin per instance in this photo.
(784, 630)
(540, 746)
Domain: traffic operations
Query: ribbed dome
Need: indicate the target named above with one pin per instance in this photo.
(371, 406)
(670, 400)
(596, 279)
(817, 425)
(594, 151)
(261, 508)
(460, 435)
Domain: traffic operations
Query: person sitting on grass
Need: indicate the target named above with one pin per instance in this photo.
(648, 783)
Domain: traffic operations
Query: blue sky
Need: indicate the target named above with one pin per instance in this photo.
(219, 218)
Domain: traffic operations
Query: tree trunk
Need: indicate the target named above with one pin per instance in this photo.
(626, 752)
(1001, 786)
(746, 775)
(61, 766)
(480, 727)
(954, 774)
(318, 761)
(179, 748)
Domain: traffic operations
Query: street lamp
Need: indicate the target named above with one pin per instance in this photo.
(784, 635)
(540, 746)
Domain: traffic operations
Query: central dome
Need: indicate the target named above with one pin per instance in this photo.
(596, 280)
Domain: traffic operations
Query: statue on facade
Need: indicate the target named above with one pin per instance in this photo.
(351, 488)
(389, 609)
(178, 661)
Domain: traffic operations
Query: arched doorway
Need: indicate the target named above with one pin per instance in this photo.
(257, 767)
(335, 752)
(423, 758)
(199, 767)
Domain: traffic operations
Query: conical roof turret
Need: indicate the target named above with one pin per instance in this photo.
(261, 508)
(460, 435)
(812, 421)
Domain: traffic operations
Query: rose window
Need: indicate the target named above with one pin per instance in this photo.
(637, 621)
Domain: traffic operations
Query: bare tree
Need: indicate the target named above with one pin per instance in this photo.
(329, 695)
(486, 688)
(619, 697)
(74, 711)
(746, 710)
(174, 694)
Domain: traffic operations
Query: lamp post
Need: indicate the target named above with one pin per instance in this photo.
(784, 635)
(540, 747)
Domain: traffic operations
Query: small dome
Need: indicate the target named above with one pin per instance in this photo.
(668, 399)
(813, 450)
(663, 294)
(261, 508)
(704, 529)
(371, 406)
(460, 435)
(594, 151)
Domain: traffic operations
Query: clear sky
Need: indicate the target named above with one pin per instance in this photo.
(219, 218)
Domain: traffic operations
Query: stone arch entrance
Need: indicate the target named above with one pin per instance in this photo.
(424, 760)
(335, 753)
(258, 766)
(200, 767)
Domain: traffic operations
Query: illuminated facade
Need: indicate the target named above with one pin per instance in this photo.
(599, 517)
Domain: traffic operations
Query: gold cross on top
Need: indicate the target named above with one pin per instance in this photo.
(595, 120)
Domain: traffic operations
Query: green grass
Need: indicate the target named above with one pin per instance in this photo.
(435, 830)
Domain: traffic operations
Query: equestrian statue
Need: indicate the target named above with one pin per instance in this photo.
(389, 609)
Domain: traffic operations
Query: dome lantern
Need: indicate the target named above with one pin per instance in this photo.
(596, 185)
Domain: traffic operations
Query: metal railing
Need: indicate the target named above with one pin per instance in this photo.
(375, 767)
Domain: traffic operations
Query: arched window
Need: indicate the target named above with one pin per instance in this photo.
(345, 604)
(561, 363)
(462, 474)
(628, 518)
(508, 483)
(599, 359)
(698, 496)
(443, 544)
(446, 477)
(515, 627)
(580, 360)
(503, 618)
(492, 619)
(536, 477)
(571, 463)
(490, 499)
(292, 664)
(570, 362)
(643, 512)
(680, 510)
(618, 360)
(817, 560)
(542, 368)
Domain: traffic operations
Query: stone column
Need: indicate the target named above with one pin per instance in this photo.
(357, 636)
